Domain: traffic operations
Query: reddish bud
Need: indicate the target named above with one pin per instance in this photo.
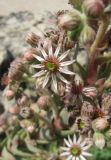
(42, 101)
(9, 94)
(93, 7)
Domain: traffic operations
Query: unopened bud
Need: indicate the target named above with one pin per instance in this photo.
(99, 140)
(32, 39)
(28, 55)
(30, 129)
(16, 69)
(87, 35)
(69, 21)
(14, 110)
(42, 101)
(100, 124)
(9, 94)
(93, 7)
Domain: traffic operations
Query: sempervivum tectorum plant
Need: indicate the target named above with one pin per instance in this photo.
(76, 148)
(52, 66)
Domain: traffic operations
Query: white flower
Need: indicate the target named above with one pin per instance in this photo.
(52, 66)
(76, 149)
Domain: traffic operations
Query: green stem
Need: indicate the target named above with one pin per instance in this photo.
(43, 119)
(67, 132)
(100, 35)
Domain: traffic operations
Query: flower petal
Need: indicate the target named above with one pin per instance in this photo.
(50, 50)
(86, 154)
(37, 66)
(86, 147)
(74, 139)
(79, 140)
(38, 74)
(67, 143)
(65, 71)
(82, 158)
(38, 58)
(83, 143)
(77, 158)
(54, 82)
(57, 50)
(65, 148)
(65, 154)
(62, 78)
(46, 80)
(66, 63)
(64, 55)
(69, 139)
(43, 52)
(70, 157)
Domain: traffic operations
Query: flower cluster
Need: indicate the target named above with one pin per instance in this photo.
(61, 87)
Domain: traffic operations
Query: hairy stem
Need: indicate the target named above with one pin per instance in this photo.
(100, 35)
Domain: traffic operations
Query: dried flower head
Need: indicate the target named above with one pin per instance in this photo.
(74, 93)
(106, 104)
(32, 39)
(26, 112)
(90, 92)
(76, 148)
(87, 110)
(52, 66)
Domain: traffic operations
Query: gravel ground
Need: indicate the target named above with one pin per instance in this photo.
(35, 6)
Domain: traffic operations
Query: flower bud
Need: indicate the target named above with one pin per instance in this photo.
(100, 124)
(28, 55)
(87, 35)
(32, 39)
(30, 129)
(14, 110)
(16, 69)
(93, 7)
(28, 125)
(108, 133)
(9, 94)
(42, 101)
(69, 21)
(99, 140)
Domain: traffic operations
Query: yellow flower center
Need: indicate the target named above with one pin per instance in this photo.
(75, 150)
(51, 64)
